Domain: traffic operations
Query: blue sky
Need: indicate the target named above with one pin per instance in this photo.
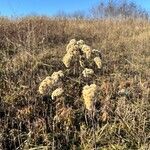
(50, 7)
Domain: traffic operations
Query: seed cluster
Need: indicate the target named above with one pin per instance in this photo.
(56, 93)
(87, 72)
(89, 93)
(49, 82)
(80, 52)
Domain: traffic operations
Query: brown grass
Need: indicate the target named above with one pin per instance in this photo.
(32, 48)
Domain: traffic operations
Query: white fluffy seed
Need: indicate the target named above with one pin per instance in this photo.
(98, 62)
(87, 72)
(57, 93)
(89, 93)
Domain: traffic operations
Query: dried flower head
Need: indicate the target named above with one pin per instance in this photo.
(89, 93)
(87, 50)
(95, 51)
(71, 43)
(73, 50)
(56, 93)
(98, 62)
(87, 72)
(67, 60)
(45, 84)
(80, 43)
(49, 82)
(57, 75)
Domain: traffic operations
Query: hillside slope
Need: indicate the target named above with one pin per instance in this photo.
(32, 48)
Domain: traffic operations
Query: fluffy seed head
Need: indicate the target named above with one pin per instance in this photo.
(45, 84)
(80, 43)
(98, 62)
(89, 93)
(57, 75)
(49, 82)
(87, 72)
(56, 93)
(95, 51)
(87, 50)
(73, 50)
(67, 60)
(71, 43)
